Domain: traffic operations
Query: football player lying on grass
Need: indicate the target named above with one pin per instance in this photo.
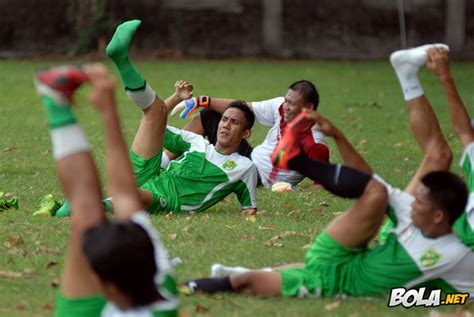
(421, 250)
(203, 174)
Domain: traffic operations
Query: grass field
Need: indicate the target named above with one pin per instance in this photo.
(364, 99)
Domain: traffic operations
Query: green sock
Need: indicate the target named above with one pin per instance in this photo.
(58, 116)
(64, 211)
(108, 205)
(117, 50)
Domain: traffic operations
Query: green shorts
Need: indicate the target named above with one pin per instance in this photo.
(321, 271)
(149, 177)
(90, 306)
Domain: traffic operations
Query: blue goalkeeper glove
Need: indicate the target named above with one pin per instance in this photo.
(190, 105)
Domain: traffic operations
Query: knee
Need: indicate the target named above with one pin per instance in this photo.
(440, 154)
(376, 193)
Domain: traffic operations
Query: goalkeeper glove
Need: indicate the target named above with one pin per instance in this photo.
(190, 105)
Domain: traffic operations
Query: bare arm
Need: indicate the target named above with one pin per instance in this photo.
(349, 155)
(122, 185)
(438, 63)
(220, 104)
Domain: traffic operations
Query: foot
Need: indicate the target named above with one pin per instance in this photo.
(288, 146)
(48, 206)
(410, 60)
(219, 271)
(60, 83)
(117, 49)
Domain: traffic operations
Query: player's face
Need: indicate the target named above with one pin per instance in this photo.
(293, 105)
(423, 211)
(232, 127)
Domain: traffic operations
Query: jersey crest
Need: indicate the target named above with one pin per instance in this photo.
(430, 258)
(229, 165)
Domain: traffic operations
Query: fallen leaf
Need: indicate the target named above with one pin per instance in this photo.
(20, 306)
(15, 240)
(10, 275)
(45, 152)
(306, 246)
(251, 218)
(324, 204)
(10, 149)
(173, 236)
(47, 250)
(201, 309)
(333, 305)
(275, 242)
(51, 264)
(54, 283)
(168, 216)
(17, 251)
(397, 145)
(294, 212)
(47, 307)
(249, 237)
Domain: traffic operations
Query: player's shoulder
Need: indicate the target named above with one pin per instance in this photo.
(272, 102)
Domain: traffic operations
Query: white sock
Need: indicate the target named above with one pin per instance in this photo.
(144, 98)
(165, 161)
(219, 270)
(68, 140)
(407, 64)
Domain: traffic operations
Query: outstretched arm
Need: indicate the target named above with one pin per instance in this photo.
(120, 176)
(349, 155)
(438, 63)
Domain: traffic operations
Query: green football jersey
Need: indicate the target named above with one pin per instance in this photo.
(201, 176)
(464, 226)
(406, 259)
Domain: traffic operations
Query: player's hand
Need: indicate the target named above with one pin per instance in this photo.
(323, 124)
(102, 95)
(184, 90)
(188, 106)
(437, 61)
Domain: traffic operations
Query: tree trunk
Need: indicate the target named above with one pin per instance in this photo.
(455, 24)
(272, 27)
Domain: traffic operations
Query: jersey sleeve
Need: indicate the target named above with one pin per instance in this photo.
(179, 141)
(399, 203)
(266, 111)
(467, 163)
(245, 189)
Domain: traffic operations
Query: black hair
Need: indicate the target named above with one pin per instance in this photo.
(123, 254)
(308, 90)
(244, 107)
(447, 192)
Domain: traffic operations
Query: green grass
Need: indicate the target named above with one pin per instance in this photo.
(364, 99)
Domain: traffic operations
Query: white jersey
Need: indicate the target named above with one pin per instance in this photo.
(444, 261)
(164, 280)
(464, 226)
(270, 113)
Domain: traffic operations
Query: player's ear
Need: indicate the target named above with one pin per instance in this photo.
(440, 216)
(247, 133)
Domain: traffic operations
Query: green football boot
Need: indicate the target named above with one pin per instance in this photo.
(7, 202)
(48, 206)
